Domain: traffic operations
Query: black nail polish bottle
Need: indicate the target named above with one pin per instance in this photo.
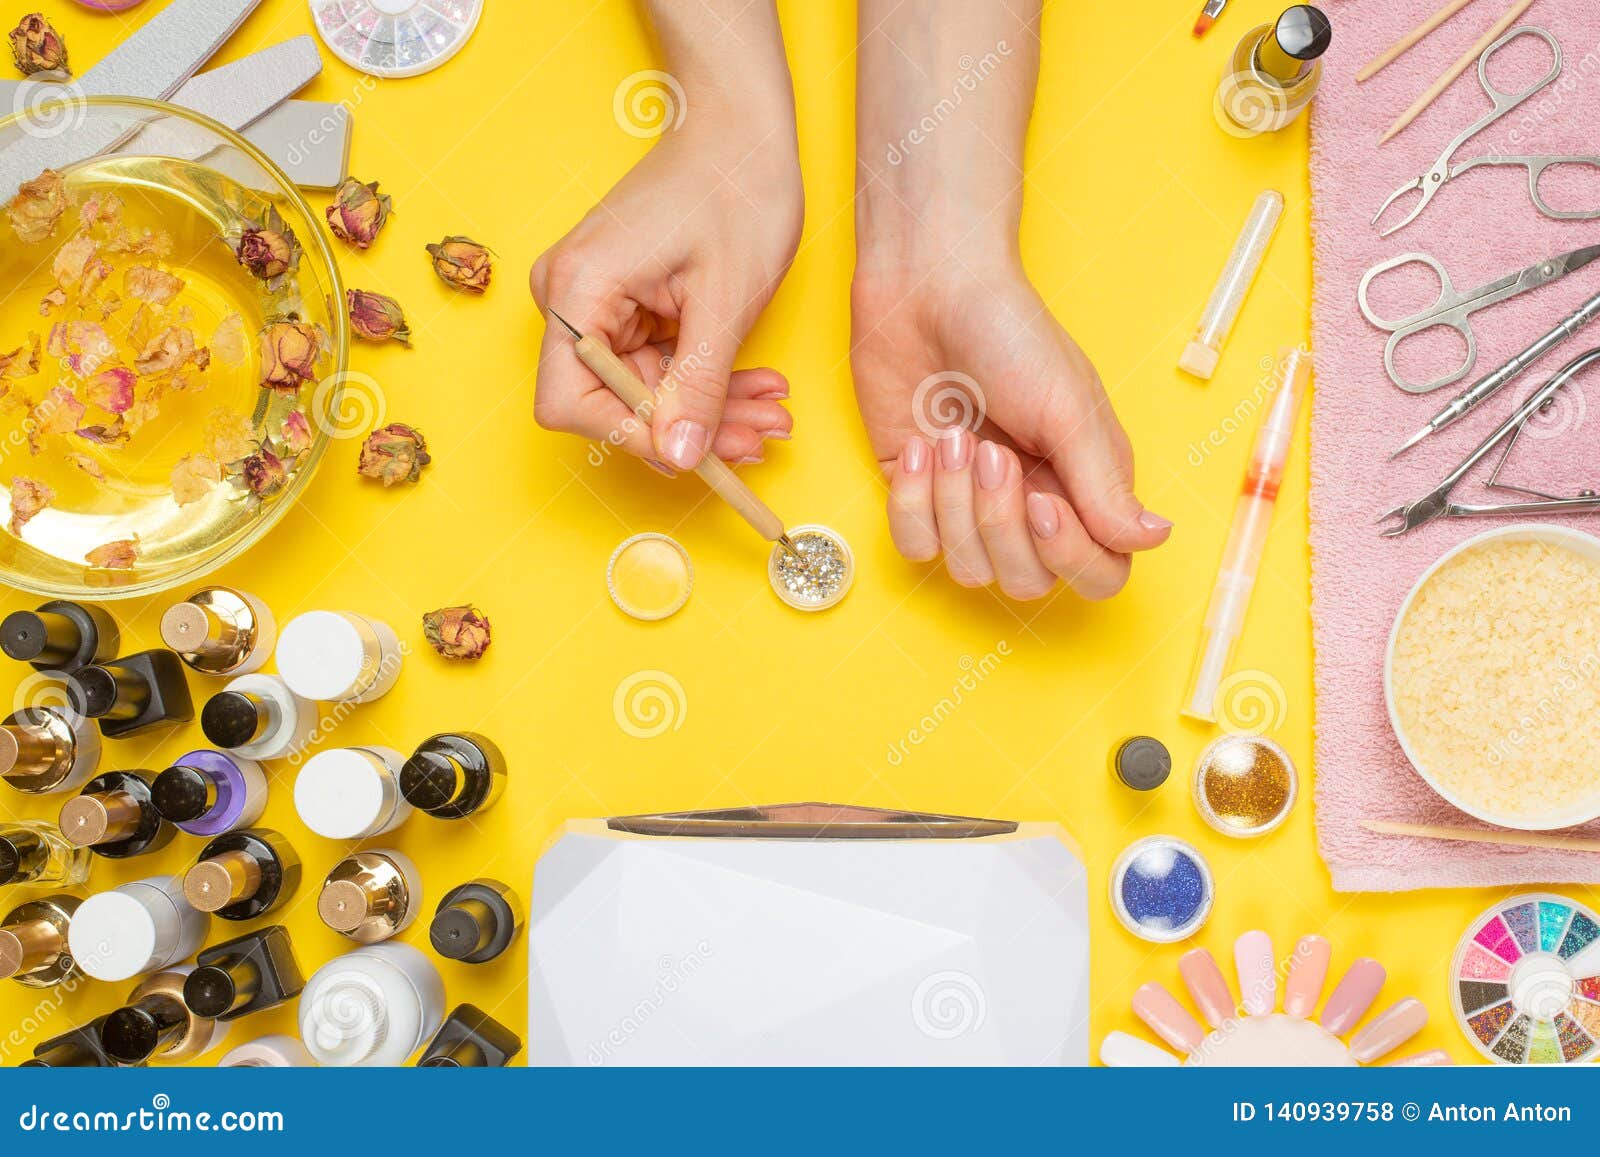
(476, 921)
(243, 874)
(60, 636)
(453, 775)
(132, 694)
(470, 1039)
(78, 1048)
(249, 974)
(114, 816)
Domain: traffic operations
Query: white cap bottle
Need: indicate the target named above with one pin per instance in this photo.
(137, 928)
(374, 1006)
(338, 656)
(350, 793)
(274, 1051)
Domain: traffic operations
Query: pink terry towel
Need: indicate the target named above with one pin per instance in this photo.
(1480, 226)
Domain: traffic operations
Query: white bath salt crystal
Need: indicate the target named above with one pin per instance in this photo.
(1496, 678)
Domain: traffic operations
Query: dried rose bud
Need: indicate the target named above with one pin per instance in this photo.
(396, 453)
(457, 632)
(37, 47)
(267, 253)
(289, 353)
(461, 262)
(376, 317)
(358, 212)
(265, 473)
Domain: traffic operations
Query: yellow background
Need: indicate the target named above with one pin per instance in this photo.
(1134, 197)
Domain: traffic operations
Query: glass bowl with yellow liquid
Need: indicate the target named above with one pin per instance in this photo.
(173, 345)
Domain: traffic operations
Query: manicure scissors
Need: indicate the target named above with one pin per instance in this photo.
(1429, 184)
(1454, 308)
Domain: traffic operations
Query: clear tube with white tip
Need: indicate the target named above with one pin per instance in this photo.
(1204, 350)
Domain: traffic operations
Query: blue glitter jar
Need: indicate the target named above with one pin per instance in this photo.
(1161, 889)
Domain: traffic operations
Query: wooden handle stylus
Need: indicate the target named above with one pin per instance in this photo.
(628, 386)
(1553, 840)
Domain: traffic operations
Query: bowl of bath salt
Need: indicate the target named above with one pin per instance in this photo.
(1493, 677)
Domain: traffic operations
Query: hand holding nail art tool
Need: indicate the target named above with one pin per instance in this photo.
(1411, 39)
(1428, 185)
(1553, 840)
(1454, 308)
(1204, 350)
(1247, 537)
(628, 386)
(1437, 504)
(1487, 386)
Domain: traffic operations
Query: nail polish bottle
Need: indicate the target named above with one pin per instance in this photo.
(220, 631)
(60, 636)
(33, 941)
(339, 656)
(351, 793)
(116, 817)
(156, 1025)
(140, 927)
(258, 717)
(453, 775)
(273, 1051)
(243, 874)
(45, 750)
(33, 853)
(132, 694)
(476, 921)
(206, 793)
(373, 1006)
(252, 973)
(77, 1048)
(1274, 71)
(470, 1039)
(371, 896)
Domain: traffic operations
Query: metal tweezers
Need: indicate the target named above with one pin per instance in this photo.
(1436, 503)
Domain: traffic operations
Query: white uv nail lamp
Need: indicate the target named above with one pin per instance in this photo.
(809, 934)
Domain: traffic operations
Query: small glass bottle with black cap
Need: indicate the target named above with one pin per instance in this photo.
(257, 716)
(156, 1024)
(470, 1039)
(476, 921)
(37, 854)
(206, 793)
(248, 974)
(220, 631)
(60, 636)
(77, 1048)
(1141, 762)
(114, 816)
(47, 750)
(242, 875)
(453, 775)
(133, 694)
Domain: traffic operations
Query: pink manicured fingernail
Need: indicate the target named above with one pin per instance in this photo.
(685, 444)
(1353, 996)
(1392, 1028)
(1258, 973)
(748, 460)
(1042, 515)
(1429, 1059)
(955, 448)
(1307, 972)
(660, 467)
(1153, 521)
(1168, 1019)
(991, 466)
(914, 458)
(1207, 986)
(774, 435)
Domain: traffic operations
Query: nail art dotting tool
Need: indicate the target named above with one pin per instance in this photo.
(728, 486)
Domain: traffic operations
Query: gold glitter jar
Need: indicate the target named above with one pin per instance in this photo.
(820, 577)
(1244, 785)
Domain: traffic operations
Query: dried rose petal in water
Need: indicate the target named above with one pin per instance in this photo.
(149, 283)
(229, 436)
(87, 464)
(78, 268)
(37, 47)
(296, 433)
(376, 317)
(457, 632)
(27, 499)
(358, 212)
(395, 453)
(265, 473)
(114, 434)
(193, 477)
(101, 208)
(171, 349)
(58, 412)
(111, 390)
(118, 555)
(463, 263)
(230, 342)
(21, 362)
(37, 207)
(289, 353)
(82, 346)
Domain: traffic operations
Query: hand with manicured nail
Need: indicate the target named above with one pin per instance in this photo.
(1002, 452)
(675, 264)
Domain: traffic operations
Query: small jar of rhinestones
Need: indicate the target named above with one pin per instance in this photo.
(816, 574)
